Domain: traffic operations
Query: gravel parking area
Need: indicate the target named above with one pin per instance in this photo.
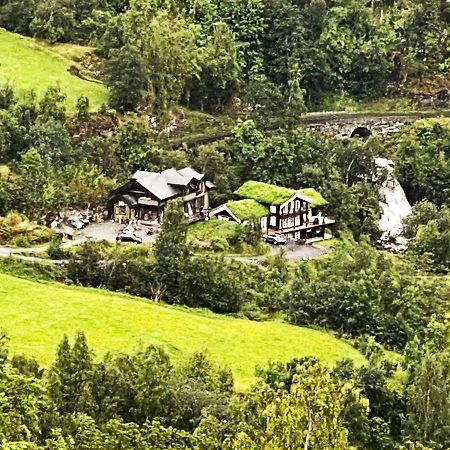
(291, 251)
(108, 231)
(294, 252)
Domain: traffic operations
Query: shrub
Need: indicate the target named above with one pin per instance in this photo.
(17, 230)
(55, 251)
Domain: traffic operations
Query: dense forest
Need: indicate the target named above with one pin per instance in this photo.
(239, 73)
(142, 400)
(277, 56)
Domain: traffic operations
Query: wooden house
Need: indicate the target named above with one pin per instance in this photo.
(296, 213)
(146, 194)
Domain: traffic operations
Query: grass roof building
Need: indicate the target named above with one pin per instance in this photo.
(296, 213)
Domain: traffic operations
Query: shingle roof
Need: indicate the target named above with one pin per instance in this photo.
(166, 184)
(173, 176)
(156, 184)
(190, 172)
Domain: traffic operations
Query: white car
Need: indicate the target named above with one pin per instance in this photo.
(275, 239)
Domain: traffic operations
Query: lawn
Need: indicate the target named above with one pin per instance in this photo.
(206, 230)
(29, 65)
(213, 236)
(36, 315)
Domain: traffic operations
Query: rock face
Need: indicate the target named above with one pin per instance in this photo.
(395, 206)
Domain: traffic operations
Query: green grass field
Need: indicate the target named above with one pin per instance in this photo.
(35, 316)
(27, 64)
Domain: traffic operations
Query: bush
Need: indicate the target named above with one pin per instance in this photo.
(218, 244)
(18, 231)
(430, 247)
(357, 290)
(55, 251)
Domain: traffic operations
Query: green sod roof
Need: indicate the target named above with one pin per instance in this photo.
(270, 194)
(248, 209)
(316, 197)
(265, 193)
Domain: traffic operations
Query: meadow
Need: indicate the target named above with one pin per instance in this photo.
(35, 316)
(27, 64)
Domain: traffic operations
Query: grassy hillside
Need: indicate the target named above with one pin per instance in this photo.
(36, 315)
(27, 64)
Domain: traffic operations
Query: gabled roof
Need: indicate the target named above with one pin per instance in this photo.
(242, 210)
(270, 194)
(156, 184)
(224, 208)
(173, 176)
(166, 184)
(192, 173)
(248, 209)
(315, 196)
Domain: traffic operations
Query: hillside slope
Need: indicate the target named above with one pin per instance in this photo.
(36, 315)
(26, 64)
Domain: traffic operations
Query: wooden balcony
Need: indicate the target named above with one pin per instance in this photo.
(322, 223)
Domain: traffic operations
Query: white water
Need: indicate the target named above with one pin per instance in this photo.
(395, 206)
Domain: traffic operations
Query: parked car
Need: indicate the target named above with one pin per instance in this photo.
(128, 236)
(76, 223)
(275, 239)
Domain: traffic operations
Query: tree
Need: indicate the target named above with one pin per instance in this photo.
(421, 214)
(70, 377)
(213, 283)
(82, 108)
(246, 20)
(23, 401)
(54, 21)
(219, 76)
(52, 105)
(358, 49)
(307, 415)
(427, 361)
(172, 252)
(294, 59)
(423, 161)
(29, 185)
(428, 401)
(16, 15)
(430, 248)
(165, 56)
(125, 78)
(362, 294)
(171, 59)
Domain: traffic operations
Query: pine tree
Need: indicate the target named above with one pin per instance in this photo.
(70, 378)
(172, 251)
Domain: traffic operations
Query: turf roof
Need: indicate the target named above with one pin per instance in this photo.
(265, 193)
(248, 209)
(316, 197)
(270, 194)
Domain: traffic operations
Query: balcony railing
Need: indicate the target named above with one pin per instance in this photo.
(304, 226)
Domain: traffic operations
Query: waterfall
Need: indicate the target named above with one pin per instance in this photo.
(395, 206)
